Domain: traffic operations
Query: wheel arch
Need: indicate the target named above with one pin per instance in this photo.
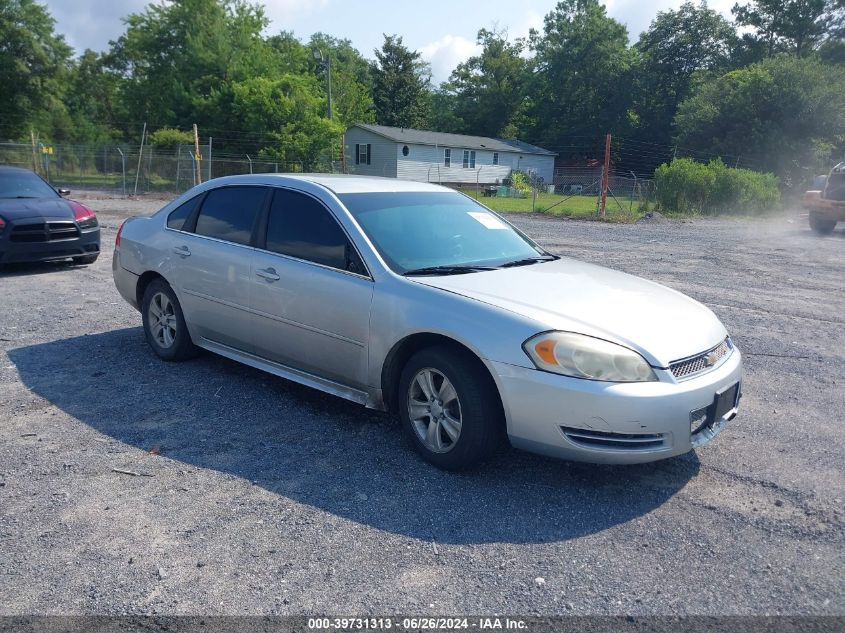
(404, 349)
(145, 280)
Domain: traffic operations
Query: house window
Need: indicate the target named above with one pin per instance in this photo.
(406, 150)
(469, 159)
(362, 154)
(495, 158)
(472, 160)
(447, 157)
(466, 158)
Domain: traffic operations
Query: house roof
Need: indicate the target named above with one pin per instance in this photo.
(443, 139)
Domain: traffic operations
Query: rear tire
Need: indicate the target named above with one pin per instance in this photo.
(85, 259)
(164, 324)
(450, 408)
(821, 223)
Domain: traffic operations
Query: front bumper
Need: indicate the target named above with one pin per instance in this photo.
(612, 423)
(86, 242)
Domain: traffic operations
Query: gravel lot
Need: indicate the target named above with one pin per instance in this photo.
(258, 496)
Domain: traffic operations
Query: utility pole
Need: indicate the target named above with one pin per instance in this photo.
(123, 168)
(34, 152)
(140, 153)
(329, 75)
(326, 64)
(605, 178)
(633, 193)
(209, 156)
(197, 155)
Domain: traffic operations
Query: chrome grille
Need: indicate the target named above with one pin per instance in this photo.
(700, 363)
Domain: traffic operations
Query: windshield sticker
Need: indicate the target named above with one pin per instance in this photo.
(490, 221)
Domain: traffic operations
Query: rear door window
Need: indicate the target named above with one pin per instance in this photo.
(229, 213)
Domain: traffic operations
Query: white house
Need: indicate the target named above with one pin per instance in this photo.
(379, 150)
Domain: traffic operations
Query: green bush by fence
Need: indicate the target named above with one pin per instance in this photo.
(687, 186)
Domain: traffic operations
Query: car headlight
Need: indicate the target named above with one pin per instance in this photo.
(581, 356)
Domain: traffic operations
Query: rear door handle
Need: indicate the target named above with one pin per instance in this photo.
(268, 273)
(182, 251)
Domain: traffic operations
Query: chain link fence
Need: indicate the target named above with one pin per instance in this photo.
(126, 170)
(132, 170)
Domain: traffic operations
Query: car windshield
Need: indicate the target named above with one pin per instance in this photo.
(16, 184)
(442, 230)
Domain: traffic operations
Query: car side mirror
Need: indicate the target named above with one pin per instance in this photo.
(64, 193)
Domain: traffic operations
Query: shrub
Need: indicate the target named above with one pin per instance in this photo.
(687, 186)
(170, 138)
(521, 182)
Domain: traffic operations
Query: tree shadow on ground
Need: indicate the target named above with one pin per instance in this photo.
(333, 455)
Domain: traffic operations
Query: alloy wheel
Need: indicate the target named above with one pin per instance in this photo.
(434, 410)
(162, 320)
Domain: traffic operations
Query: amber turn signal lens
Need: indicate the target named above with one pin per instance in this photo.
(546, 350)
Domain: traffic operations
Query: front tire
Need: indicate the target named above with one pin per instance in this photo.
(164, 324)
(450, 409)
(821, 223)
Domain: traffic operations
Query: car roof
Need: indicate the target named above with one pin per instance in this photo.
(337, 183)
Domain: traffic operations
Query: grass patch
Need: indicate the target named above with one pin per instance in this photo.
(553, 204)
(97, 180)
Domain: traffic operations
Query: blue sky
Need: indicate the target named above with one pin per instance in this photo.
(444, 31)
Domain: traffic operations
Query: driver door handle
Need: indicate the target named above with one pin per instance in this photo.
(268, 273)
(182, 251)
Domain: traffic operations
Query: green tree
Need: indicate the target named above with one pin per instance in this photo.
(678, 45)
(443, 111)
(34, 63)
(93, 100)
(292, 55)
(352, 81)
(400, 85)
(784, 114)
(171, 138)
(291, 108)
(181, 60)
(583, 66)
(794, 26)
(492, 87)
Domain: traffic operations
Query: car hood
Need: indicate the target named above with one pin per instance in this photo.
(23, 208)
(660, 323)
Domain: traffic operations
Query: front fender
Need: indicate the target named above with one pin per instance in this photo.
(403, 308)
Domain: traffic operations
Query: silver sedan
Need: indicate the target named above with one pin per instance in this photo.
(416, 299)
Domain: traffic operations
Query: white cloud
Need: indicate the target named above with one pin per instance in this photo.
(450, 50)
(283, 12)
(637, 18)
(528, 20)
(446, 53)
(92, 23)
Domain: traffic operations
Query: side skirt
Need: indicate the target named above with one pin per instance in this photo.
(295, 375)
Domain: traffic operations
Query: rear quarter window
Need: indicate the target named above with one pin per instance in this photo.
(177, 217)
